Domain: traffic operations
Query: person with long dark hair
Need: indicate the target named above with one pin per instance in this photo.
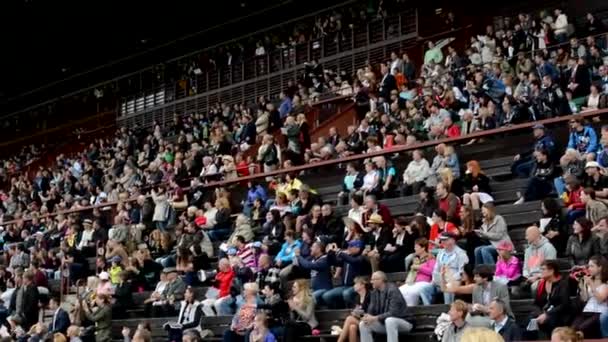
(582, 244)
(427, 202)
(554, 227)
(593, 289)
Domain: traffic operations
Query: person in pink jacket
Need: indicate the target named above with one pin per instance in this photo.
(508, 267)
(420, 274)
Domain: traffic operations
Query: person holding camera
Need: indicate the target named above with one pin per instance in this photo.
(593, 289)
(349, 264)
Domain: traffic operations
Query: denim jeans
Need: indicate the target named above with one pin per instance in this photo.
(604, 324)
(339, 297)
(218, 234)
(560, 186)
(485, 255)
(523, 167)
(318, 294)
(392, 327)
(572, 215)
(426, 295)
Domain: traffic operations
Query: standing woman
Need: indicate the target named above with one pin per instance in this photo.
(102, 317)
(594, 293)
(476, 186)
(302, 312)
(350, 329)
(304, 131)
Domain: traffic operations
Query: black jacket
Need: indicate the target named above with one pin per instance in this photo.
(557, 303)
(510, 331)
(387, 303)
(482, 181)
(29, 305)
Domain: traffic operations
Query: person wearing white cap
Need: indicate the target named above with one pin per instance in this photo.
(596, 180)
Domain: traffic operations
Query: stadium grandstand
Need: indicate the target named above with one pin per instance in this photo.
(306, 170)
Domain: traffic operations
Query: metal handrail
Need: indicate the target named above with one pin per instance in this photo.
(269, 85)
(357, 157)
(214, 80)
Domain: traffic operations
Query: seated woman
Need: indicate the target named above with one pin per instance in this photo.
(594, 293)
(281, 204)
(273, 231)
(469, 220)
(350, 329)
(302, 312)
(219, 295)
(242, 322)
(454, 185)
(223, 224)
(260, 332)
(476, 186)
(353, 180)
(462, 289)
(371, 178)
(572, 199)
(420, 273)
(552, 301)
(582, 245)
(416, 174)
(189, 316)
(553, 226)
(494, 230)
(508, 267)
(353, 231)
(595, 210)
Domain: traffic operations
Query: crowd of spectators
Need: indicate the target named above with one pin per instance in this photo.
(455, 250)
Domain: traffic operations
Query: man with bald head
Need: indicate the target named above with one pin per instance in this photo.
(539, 249)
(386, 311)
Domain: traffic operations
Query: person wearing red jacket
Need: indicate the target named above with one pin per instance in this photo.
(452, 130)
(218, 296)
(572, 199)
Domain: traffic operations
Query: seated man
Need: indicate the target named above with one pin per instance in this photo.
(448, 268)
(502, 323)
(189, 316)
(486, 289)
(458, 313)
(386, 311)
(539, 249)
(163, 305)
(320, 270)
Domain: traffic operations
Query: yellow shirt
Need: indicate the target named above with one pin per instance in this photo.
(115, 274)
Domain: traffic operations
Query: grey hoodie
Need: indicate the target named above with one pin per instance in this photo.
(537, 253)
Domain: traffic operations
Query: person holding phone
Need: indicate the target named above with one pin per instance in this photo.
(350, 329)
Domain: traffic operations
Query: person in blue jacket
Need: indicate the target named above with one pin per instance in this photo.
(286, 254)
(350, 263)
(582, 138)
(320, 270)
(602, 149)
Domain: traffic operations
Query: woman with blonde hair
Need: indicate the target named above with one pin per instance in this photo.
(566, 334)
(476, 186)
(454, 185)
(302, 312)
(481, 335)
(223, 224)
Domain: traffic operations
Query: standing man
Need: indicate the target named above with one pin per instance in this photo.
(386, 311)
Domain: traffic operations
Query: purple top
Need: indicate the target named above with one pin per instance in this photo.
(508, 269)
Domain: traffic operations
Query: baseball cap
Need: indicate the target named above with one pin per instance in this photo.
(538, 126)
(104, 276)
(505, 246)
(447, 235)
